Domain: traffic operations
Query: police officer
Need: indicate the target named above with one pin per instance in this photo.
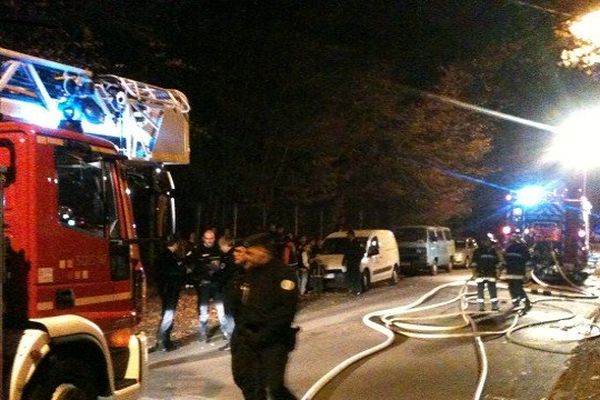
(170, 275)
(263, 302)
(516, 258)
(485, 271)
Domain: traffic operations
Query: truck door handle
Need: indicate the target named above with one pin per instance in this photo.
(65, 298)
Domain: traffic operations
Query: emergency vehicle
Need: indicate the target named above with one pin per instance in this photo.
(556, 227)
(74, 148)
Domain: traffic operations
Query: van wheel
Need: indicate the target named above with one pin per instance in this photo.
(468, 262)
(64, 379)
(365, 281)
(450, 265)
(433, 269)
(395, 275)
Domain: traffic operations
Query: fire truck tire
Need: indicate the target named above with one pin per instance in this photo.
(64, 379)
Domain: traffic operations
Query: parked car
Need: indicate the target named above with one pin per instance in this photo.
(464, 252)
(425, 248)
(380, 261)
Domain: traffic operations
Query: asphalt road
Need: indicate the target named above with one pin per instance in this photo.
(332, 330)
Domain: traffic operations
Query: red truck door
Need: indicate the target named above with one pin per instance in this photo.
(80, 263)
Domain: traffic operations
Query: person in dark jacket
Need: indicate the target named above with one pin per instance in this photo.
(485, 271)
(206, 259)
(304, 260)
(264, 302)
(170, 275)
(353, 256)
(516, 258)
(222, 280)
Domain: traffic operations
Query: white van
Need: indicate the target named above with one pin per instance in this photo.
(380, 261)
(425, 247)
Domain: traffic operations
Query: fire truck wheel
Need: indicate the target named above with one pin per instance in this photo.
(64, 379)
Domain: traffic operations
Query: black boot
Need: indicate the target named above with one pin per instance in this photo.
(527, 306)
(163, 345)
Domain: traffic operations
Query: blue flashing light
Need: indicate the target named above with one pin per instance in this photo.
(530, 196)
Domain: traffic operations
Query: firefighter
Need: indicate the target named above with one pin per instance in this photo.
(264, 300)
(486, 260)
(516, 259)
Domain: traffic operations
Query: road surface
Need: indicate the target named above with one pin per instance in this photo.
(332, 330)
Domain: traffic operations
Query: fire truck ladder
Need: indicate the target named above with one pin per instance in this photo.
(146, 122)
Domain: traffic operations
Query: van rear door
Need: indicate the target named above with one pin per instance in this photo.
(433, 247)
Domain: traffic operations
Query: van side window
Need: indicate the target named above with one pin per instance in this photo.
(432, 235)
(448, 234)
(84, 203)
(373, 247)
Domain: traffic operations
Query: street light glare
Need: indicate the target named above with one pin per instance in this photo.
(584, 53)
(587, 28)
(577, 140)
(530, 196)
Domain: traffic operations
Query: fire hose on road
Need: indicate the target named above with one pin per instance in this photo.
(399, 320)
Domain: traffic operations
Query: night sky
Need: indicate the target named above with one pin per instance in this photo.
(269, 79)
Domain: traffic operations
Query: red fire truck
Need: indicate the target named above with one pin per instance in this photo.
(556, 225)
(72, 147)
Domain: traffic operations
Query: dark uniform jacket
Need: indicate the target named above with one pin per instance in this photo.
(205, 261)
(263, 302)
(170, 272)
(353, 253)
(222, 276)
(516, 258)
(485, 262)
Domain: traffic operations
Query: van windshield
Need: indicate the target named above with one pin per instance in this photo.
(338, 245)
(411, 234)
(460, 244)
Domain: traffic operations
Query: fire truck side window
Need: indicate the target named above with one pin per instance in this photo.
(85, 198)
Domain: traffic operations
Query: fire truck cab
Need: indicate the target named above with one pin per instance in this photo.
(73, 285)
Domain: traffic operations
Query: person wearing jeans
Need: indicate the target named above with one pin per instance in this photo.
(170, 275)
(206, 260)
